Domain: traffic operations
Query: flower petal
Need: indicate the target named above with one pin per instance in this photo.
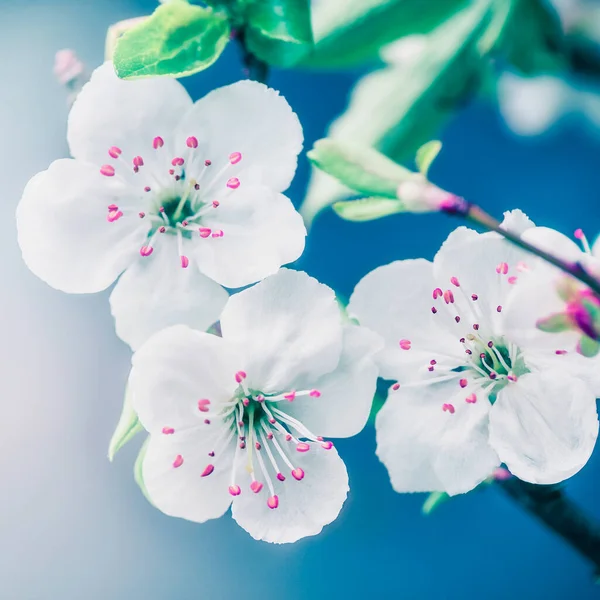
(172, 475)
(474, 260)
(288, 327)
(426, 448)
(173, 370)
(155, 293)
(64, 233)
(128, 114)
(254, 120)
(305, 507)
(544, 427)
(554, 242)
(395, 301)
(346, 394)
(261, 232)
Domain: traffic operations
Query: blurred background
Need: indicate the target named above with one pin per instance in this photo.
(73, 526)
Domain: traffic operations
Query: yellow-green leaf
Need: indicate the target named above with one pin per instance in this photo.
(127, 427)
(178, 39)
(367, 209)
(426, 154)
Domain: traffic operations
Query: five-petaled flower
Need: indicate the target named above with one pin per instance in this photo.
(468, 398)
(239, 418)
(555, 303)
(181, 197)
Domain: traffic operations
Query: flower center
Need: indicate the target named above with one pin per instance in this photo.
(174, 193)
(491, 361)
(264, 432)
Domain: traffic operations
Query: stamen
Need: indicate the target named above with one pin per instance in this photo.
(168, 430)
(204, 232)
(114, 152)
(502, 268)
(192, 142)
(584, 241)
(471, 398)
(405, 344)
(158, 142)
(448, 408)
(235, 158)
(178, 461)
(107, 170)
(233, 183)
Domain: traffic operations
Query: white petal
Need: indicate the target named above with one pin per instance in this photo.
(155, 292)
(305, 507)
(128, 114)
(64, 234)
(544, 427)
(347, 392)
(180, 491)
(395, 301)
(474, 260)
(428, 449)
(554, 242)
(533, 298)
(250, 118)
(175, 369)
(516, 221)
(261, 232)
(288, 327)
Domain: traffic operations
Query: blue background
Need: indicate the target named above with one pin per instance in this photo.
(73, 526)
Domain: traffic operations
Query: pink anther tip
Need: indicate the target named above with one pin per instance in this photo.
(273, 502)
(298, 474)
(256, 486)
(178, 461)
(207, 471)
(192, 142)
(235, 490)
(203, 405)
(303, 447)
(235, 157)
(107, 170)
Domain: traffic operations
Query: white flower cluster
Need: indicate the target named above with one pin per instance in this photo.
(179, 200)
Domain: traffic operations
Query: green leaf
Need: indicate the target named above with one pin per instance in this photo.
(426, 154)
(178, 39)
(362, 169)
(367, 209)
(535, 41)
(138, 473)
(127, 427)
(279, 32)
(351, 32)
(434, 500)
(399, 108)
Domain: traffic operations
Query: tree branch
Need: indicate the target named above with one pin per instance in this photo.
(550, 504)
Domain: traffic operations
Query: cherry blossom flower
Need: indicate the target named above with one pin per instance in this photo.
(239, 418)
(550, 301)
(180, 197)
(467, 398)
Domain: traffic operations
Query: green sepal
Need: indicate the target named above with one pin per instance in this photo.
(426, 154)
(278, 32)
(127, 427)
(362, 169)
(367, 209)
(138, 466)
(179, 39)
(433, 501)
(555, 323)
(588, 347)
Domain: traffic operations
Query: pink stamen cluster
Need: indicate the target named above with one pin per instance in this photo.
(189, 190)
(265, 432)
